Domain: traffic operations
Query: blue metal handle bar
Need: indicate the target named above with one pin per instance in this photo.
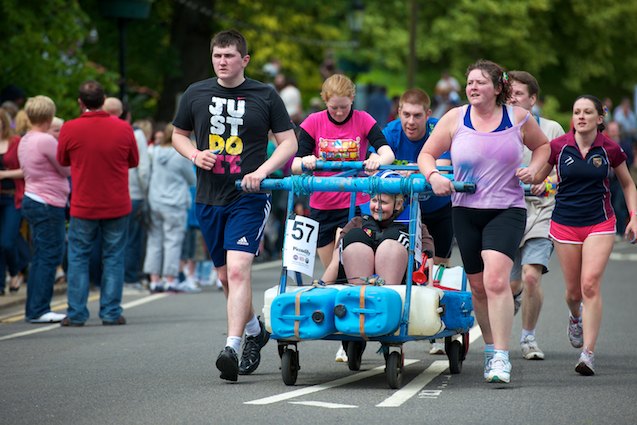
(372, 184)
(527, 189)
(358, 165)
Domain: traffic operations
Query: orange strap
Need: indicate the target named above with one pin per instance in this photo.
(361, 317)
(297, 312)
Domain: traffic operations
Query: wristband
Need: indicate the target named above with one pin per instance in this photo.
(632, 214)
(428, 176)
(193, 157)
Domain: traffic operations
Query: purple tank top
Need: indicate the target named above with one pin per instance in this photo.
(489, 160)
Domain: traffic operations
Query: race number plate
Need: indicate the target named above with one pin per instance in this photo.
(301, 236)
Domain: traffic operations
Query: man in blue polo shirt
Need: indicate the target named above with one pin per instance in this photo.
(406, 137)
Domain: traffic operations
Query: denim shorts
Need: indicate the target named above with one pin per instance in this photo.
(534, 251)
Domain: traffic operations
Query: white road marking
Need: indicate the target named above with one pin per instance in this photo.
(618, 256)
(324, 404)
(326, 386)
(415, 385)
(131, 304)
(31, 332)
(395, 400)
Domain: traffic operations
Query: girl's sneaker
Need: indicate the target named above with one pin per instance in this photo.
(575, 332)
(585, 366)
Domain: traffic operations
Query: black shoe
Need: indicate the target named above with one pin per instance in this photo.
(251, 356)
(67, 322)
(228, 364)
(121, 320)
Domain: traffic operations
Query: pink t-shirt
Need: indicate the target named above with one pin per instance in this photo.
(44, 177)
(343, 142)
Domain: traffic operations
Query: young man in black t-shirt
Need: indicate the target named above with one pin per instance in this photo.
(231, 116)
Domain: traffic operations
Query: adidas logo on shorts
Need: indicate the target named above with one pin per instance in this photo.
(243, 241)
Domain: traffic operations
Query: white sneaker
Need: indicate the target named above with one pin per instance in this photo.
(341, 356)
(499, 370)
(50, 317)
(437, 348)
(530, 350)
(188, 286)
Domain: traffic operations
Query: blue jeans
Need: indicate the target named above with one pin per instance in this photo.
(82, 237)
(135, 243)
(10, 219)
(47, 225)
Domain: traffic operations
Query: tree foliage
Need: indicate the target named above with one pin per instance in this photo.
(571, 46)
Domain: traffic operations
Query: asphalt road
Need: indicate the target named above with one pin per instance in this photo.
(159, 369)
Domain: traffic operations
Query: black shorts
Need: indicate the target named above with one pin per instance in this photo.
(440, 226)
(478, 230)
(329, 221)
(397, 232)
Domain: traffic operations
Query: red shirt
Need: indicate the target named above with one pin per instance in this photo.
(100, 149)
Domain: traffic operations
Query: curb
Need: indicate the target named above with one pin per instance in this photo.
(20, 298)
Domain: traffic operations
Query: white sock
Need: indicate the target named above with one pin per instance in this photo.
(489, 348)
(234, 342)
(253, 328)
(526, 333)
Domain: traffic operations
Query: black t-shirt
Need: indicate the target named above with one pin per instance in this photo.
(234, 121)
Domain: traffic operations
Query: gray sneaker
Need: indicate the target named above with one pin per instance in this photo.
(585, 366)
(576, 333)
(530, 350)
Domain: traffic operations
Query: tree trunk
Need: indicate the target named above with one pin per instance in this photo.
(191, 31)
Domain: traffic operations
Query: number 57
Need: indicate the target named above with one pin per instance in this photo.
(298, 233)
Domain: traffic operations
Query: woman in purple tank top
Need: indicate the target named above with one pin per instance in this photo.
(486, 140)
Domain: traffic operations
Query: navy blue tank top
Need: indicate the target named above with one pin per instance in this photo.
(504, 124)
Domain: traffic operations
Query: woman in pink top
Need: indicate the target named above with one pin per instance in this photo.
(339, 133)
(486, 141)
(46, 192)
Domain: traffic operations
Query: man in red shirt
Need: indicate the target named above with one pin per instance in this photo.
(100, 150)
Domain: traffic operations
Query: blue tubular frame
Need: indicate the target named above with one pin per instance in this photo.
(372, 185)
(411, 185)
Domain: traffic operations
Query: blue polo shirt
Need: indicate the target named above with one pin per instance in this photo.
(406, 151)
(583, 191)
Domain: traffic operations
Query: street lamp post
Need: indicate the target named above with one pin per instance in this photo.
(355, 19)
(123, 11)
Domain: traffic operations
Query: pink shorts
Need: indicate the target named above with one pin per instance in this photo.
(577, 234)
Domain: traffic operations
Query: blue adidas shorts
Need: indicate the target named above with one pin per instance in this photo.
(234, 227)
